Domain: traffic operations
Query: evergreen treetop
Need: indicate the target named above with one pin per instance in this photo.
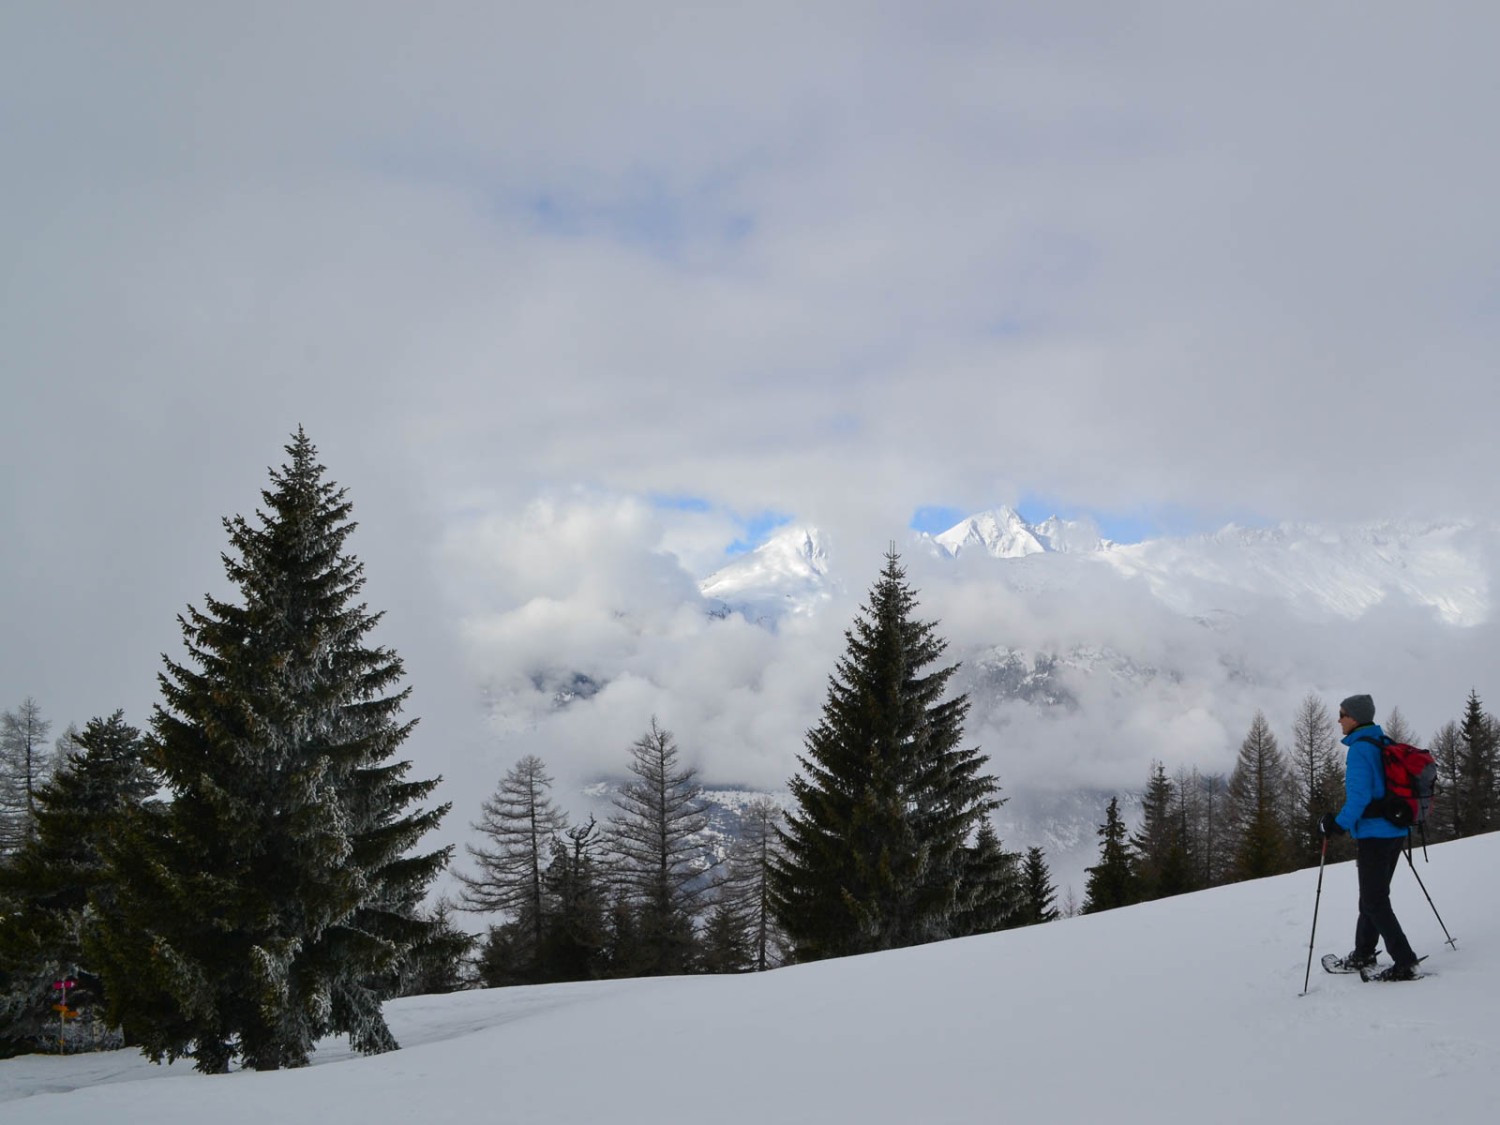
(887, 800)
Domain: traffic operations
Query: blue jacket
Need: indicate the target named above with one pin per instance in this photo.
(1364, 781)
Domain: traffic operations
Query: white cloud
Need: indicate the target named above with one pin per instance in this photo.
(832, 262)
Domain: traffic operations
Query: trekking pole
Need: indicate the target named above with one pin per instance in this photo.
(1430, 903)
(1312, 939)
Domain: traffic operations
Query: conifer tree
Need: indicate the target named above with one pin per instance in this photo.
(1160, 850)
(25, 765)
(439, 964)
(1204, 801)
(887, 802)
(760, 845)
(1477, 797)
(1258, 800)
(655, 853)
(1396, 728)
(742, 894)
(1037, 890)
(46, 887)
(624, 952)
(1190, 822)
(276, 898)
(519, 823)
(1111, 882)
(991, 892)
(1447, 755)
(573, 942)
(1318, 771)
(726, 935)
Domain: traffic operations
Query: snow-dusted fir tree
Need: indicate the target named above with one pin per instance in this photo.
(876, 848)
(655, 855)
(25, 764)
(275, 898)
(518, 824)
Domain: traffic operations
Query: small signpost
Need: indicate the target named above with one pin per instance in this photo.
(64, 1013)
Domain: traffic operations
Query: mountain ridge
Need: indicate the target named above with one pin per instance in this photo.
(1320, 570)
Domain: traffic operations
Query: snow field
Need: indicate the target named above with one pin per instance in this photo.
(1186, 1010)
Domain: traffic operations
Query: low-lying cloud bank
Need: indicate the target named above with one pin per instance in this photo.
(583, 622)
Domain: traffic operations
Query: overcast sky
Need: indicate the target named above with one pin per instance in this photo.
(650, 276)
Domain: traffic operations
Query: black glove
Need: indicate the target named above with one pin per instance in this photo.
(1329, 826)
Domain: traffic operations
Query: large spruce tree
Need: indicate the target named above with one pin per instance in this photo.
(876, 849)
(275, 898)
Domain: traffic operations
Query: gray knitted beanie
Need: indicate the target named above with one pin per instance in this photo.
(1360, 708)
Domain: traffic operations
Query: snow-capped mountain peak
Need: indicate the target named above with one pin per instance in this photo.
(1004, 534)
(787, 573)
(1000, 532)
(1337, 571)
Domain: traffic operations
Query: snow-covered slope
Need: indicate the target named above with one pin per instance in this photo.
(1186, 1010)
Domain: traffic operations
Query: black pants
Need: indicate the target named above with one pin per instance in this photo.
(1376, 861)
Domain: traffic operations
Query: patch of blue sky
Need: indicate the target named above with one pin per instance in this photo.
(645, 216)
(1131, 526)
(756, 530)
(936, 519)
(1136, 525)
(642, 208)
(1007, 327)
(680, 502)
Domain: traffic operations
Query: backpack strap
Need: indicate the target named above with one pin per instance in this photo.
(1380, 744)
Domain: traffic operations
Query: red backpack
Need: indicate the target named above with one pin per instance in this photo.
(1410, 782)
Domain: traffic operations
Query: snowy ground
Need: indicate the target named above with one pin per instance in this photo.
(1188, 1010)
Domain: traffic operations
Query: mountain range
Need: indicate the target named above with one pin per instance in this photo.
(1319, 571)
(1086, 659)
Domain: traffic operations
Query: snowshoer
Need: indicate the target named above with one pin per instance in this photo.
(1378, 843)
